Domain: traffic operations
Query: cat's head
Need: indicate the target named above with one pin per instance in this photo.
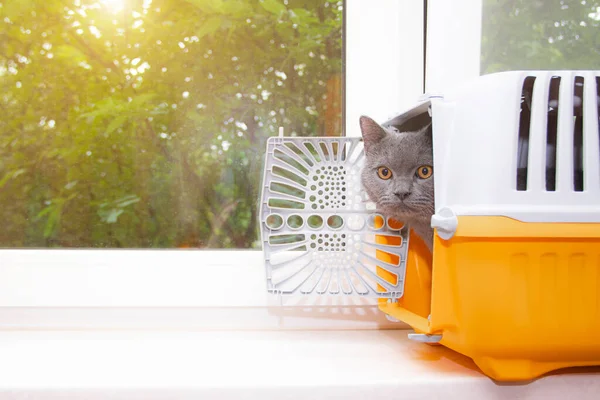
(398, 170)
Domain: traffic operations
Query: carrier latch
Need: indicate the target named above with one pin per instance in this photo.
(445, 222)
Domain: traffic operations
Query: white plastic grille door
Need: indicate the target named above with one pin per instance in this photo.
(319, 231)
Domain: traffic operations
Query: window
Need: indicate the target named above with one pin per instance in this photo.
(109, 287)
(453, 43)
(142, 124)
(486, 36)
(529, 35)
(544, 36)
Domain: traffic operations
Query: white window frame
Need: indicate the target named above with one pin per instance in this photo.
(453, 43)
(81, 289)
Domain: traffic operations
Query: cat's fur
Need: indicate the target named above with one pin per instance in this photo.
(404, 197)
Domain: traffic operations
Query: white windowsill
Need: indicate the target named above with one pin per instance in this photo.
(254, 365)
(162, 289)
(139, 278)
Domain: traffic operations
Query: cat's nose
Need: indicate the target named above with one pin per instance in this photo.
(402, 195)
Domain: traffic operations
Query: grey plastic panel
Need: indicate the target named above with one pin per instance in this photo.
(320, 233)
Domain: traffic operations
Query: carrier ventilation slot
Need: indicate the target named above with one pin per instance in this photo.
(551, 133)
(524, 127)
(578, 116)
(553, 105)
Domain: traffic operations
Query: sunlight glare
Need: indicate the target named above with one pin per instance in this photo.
(113, 5)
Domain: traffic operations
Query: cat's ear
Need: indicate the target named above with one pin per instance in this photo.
(372, 132)
(427, 131)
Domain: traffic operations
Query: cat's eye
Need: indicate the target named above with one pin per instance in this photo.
(425, 171)
(384, 173)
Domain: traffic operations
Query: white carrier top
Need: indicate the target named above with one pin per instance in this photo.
(521, 144)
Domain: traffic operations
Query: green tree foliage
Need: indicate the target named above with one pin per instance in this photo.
(142, 123)
(535, 34)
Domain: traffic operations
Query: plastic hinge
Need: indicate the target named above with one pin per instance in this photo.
(445, 222)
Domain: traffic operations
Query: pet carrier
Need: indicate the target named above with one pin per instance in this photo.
(514, 279)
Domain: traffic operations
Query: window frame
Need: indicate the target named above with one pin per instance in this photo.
(453, 47)
(99, 289)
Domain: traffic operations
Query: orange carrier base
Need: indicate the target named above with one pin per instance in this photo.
(520, 299)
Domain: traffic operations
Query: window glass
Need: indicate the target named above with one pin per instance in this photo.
(142, 123)
(525, 34)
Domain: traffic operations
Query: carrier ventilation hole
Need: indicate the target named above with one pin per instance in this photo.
(293, 147)
(376, 221)
(285, 204)
(551, 133)
(524, 127)
(287, 174)
(356, 222)
(286, 239)
(334, 149)
(274, 221)
(295, 221)
(312, 151)
(283, 188)
(578, 172)
(330, 242)
(329, 187)
(395, 225)
(335, 222)
(290, 161)
(325, 151)
(315, 221)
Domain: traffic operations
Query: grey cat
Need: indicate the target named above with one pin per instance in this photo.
(398, 175)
